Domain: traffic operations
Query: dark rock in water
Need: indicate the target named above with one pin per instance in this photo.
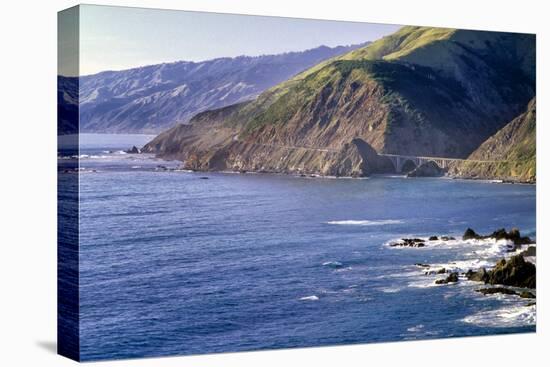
(526, 294)
(531, 251)
(447, 238)
(452, 278)
(470, 234)
(531, 304)
(409, 242)
(161, 168)
(513, 235)
(500, 234)
(433, 238)
(134, 150)
(422, 265)
(203, 178)
(477, 276)
(428, 169)
(501, 290)
(408, 167)
(441, 271)
(515, 272)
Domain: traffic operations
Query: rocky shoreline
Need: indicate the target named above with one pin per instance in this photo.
(514, 276)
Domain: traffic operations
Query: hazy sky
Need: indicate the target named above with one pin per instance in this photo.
(114, 38)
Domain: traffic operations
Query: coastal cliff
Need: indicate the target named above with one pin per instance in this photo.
(421, 91)
(513, 150)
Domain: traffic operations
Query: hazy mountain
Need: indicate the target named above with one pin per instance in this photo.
(67, 105)
(513, 148)
(420, 91)
(153, 98)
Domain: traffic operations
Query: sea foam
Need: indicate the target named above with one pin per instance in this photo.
(309, 298)
(352, 222)
(511, 316)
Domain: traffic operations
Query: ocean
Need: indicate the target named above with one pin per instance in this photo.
(179, 262)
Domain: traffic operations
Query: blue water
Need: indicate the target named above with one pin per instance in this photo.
(174, 264)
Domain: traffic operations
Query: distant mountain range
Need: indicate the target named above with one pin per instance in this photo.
(153, 98)
(420, 91)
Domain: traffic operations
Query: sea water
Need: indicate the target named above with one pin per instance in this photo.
(173, 263)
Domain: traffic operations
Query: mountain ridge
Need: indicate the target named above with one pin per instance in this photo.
(406, 103)
(513, 148)
(152, 98)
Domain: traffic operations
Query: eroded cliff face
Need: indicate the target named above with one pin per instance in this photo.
(421, 91)
(513, 150)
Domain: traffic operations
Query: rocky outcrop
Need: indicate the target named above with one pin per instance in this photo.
(134, 150)
(507, 291)
(515, 272)
(500, 234)
(477, 276)
(428, 169)
(531, 251)
(452, 278)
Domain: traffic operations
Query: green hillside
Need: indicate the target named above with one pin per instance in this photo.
(420, 91)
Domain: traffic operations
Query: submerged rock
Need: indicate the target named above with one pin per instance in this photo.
(447, 238)
(526, 294)
(496, 290)
(409, 242)
(452, 278)
(477, 276)
(433, 238)
(507, 291)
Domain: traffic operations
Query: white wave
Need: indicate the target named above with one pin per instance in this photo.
(352, 222)
(517, 315)
(333, 264)
(462, 266)
(416, 328)
(391, 289)
(93, 156)
(309, 298)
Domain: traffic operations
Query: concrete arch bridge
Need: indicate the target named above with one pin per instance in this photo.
(399, 161)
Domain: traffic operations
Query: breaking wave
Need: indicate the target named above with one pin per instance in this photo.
(514, 316)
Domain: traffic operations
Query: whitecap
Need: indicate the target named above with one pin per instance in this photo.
(518, 315)
(352, 222)
(416, 328)
(391, 289)
(309, 298)
(333, 264)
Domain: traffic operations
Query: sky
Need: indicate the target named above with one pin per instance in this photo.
(116, 38)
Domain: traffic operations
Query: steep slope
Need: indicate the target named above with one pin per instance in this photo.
(156, 97)
(421, 91)
(513, 147)
(67, 105)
